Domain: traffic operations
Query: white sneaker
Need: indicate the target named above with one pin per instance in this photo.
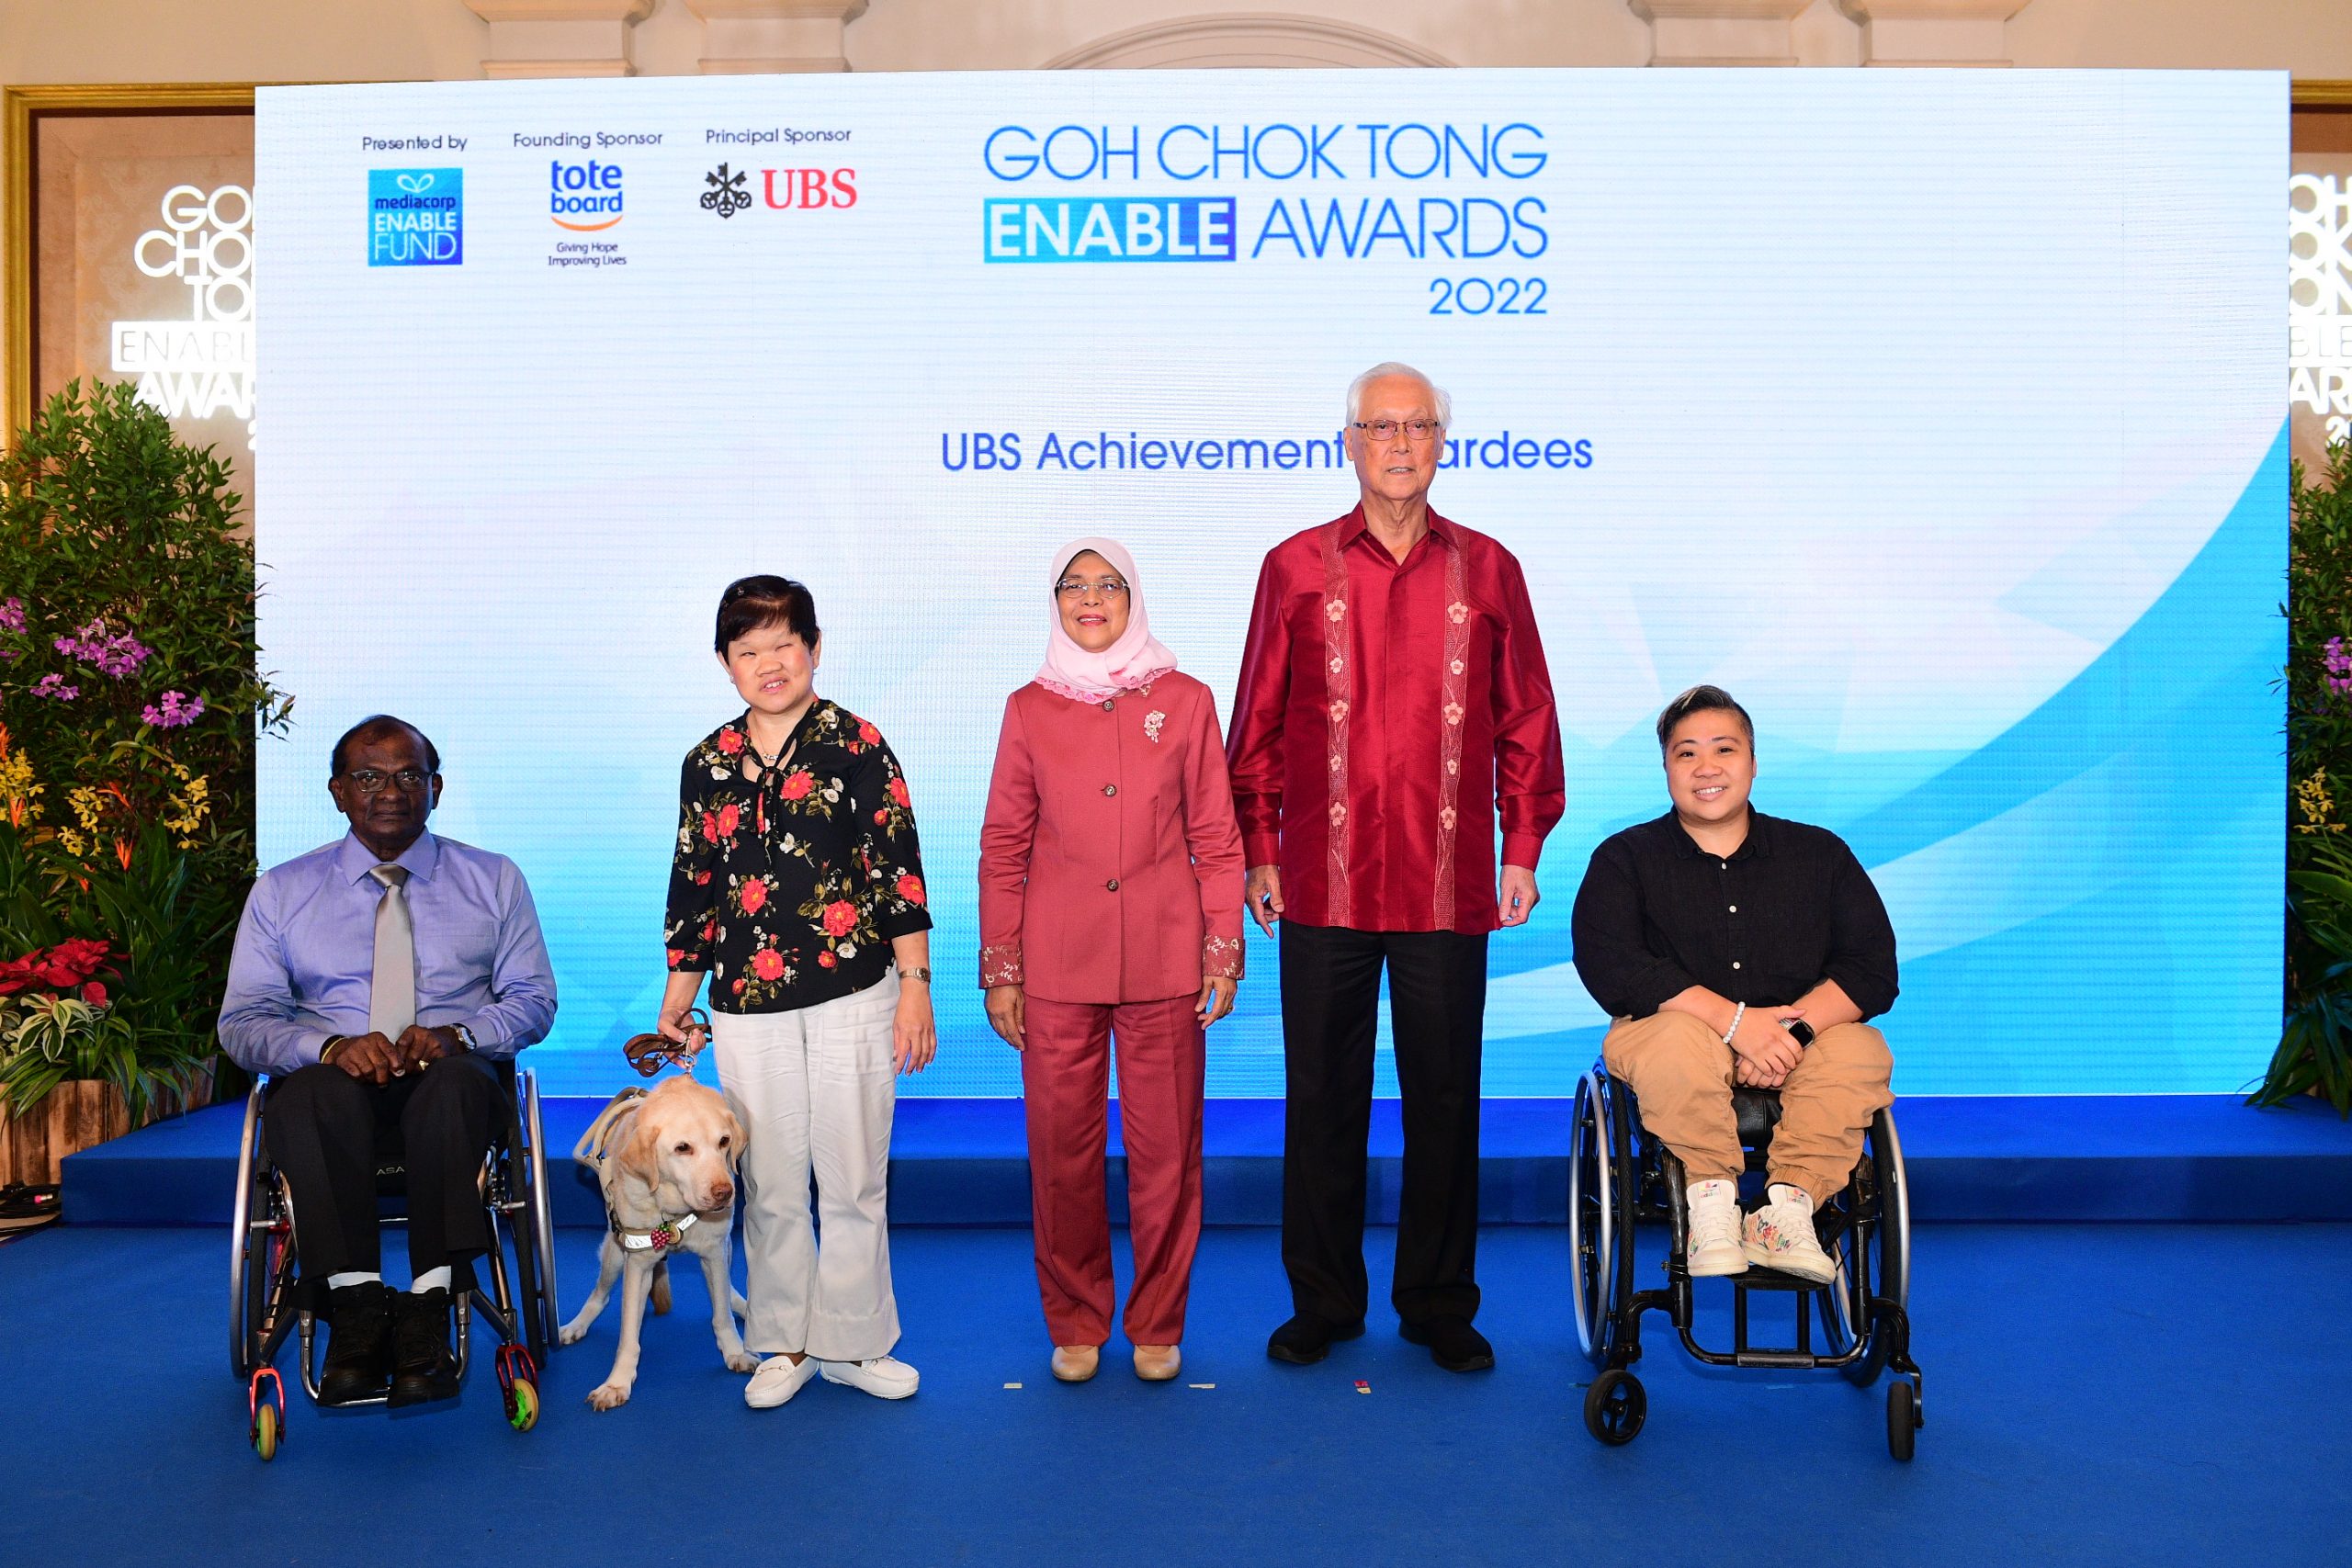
(1780, 1236)
(778, 1380)
(884, 1377)
(1714, 1229)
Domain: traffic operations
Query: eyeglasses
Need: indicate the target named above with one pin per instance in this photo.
(1071, 587)
(1415, 430)
(369, 781)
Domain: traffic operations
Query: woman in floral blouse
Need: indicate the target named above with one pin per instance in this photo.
(797, 887)
(1110, 909)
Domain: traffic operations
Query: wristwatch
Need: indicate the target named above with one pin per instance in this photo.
(923, 975)
(1800, 1030)
(465, 1036)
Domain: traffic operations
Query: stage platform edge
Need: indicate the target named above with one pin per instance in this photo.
(961, 1161)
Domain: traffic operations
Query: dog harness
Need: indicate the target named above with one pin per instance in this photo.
(661, 1237)
(668, 1234)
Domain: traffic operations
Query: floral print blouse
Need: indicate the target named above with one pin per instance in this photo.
(789, 882)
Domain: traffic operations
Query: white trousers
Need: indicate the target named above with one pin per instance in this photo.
(815, 1091)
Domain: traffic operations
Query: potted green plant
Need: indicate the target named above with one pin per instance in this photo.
(130, 704)
(2314, 1054)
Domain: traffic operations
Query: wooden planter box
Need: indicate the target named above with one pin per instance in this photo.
(76, 1116)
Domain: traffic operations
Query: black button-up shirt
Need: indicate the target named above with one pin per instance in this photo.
(1790, 907)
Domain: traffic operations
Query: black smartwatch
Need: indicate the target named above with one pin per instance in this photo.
(1800, 1030)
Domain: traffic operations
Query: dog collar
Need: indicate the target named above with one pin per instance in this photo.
(668, 1234)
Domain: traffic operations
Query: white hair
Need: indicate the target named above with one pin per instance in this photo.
(1391, 368)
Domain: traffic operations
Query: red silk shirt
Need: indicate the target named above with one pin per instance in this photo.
(1387, 713)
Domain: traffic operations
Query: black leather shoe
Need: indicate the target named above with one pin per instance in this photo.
(423, 1367)
(360, 1343)
(1306, 1338)
(1453, 1343)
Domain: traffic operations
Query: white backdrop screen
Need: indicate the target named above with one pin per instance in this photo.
(1936, 415)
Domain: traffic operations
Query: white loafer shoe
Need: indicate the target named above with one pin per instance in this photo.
(778, 1380)
(884, 1377)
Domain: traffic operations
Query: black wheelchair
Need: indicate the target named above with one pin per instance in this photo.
(1619, 1176)
(268, 1298)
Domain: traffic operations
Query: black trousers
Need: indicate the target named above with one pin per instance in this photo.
(1437, 987)
(327, 1131)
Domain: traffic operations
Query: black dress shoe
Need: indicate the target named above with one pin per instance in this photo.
(1453, 1343)
(1306, 1338)
(423, 1367)
(359, 1345)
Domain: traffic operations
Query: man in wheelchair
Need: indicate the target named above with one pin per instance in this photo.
(1734, 948)
(379, 980)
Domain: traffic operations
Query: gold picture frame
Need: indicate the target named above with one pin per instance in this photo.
(22, 109)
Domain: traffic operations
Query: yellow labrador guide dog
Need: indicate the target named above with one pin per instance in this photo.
(666, 1159)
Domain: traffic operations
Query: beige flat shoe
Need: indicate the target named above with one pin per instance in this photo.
(1076, 1363)
(1158, 1363)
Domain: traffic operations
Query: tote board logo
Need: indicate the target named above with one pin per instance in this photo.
(584, 197)
(416, 217)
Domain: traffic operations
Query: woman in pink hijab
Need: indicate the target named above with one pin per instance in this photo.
(1110, 916)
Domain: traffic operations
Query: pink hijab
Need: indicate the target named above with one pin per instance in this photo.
(1136, 660)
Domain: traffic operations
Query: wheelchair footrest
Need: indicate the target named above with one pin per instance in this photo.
(1758, 1277)
(1800, 1360)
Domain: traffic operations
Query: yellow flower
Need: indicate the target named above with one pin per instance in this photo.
(85, 805)
(75, 845)
(2316, 805)
(189, 806)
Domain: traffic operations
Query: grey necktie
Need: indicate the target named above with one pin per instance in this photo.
(392, 997)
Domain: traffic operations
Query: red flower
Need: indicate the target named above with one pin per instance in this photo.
(768, 964)
(709, 828)
(94, 994)
(826, 960)
(710, 930)
(796, 786)
(730, 740)
(729, 818)
(868, 734)
(841, 918)
(881, 818)
(899, 791)
(71, 963)
(739, 987)
(677, 957)
(910, 887)
(753, 893)
(702, 879)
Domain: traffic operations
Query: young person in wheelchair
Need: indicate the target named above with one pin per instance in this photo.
(1734, 948)
(379, 980)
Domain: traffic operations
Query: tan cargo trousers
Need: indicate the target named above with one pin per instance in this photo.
(1682, 1071)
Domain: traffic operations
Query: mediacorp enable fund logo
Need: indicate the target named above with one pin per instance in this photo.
(416, 217)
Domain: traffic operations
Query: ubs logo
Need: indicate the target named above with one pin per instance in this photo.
(584, 197)
(726, 196)
(783, 190)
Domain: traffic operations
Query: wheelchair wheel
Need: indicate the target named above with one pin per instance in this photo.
(1593, 1234)
(265, 1435)
(542, 1220)
(1873, 1254)
(1902, 1419)
(261, 1255)
(519, 1194)
(1616, 1406)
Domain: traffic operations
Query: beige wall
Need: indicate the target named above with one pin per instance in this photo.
(235, 40)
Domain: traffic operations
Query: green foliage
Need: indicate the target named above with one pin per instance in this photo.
(2315, 1045)
(123, 818)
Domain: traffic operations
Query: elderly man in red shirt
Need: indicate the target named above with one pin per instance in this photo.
(1392, 703)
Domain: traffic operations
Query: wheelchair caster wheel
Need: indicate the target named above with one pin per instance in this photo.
(268, 1416)
(523, 1405)
(1615, 1406)
(1903, 1421)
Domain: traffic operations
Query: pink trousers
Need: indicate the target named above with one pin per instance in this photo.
(1065, 1078)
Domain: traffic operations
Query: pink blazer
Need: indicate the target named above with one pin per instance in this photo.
(1110, 860)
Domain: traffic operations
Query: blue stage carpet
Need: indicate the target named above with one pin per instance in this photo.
(2096, 1394)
